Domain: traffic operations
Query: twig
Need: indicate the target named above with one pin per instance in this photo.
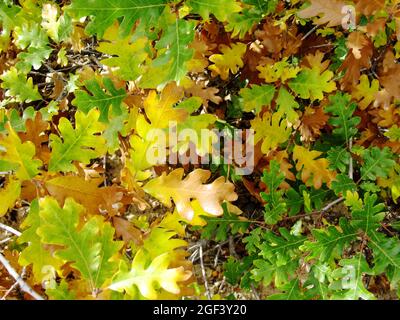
(9, 229)
(14, 285)
(23, 285)
(323, 210)
(5, 240)
(217, 256)
(203, 272)
(330, 205)
(232, 250)
(255, 293)
(193, 255)
(105, 170)
(309, 33)
(351, 159)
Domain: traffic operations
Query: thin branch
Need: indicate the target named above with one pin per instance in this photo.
(15, 285)
(351, 170)
(203, 272)
(23, 285)
(232, 250)
(331, 204)
(193, 257)
(309, 33)
(217, 256)
(5, 240)
(9, 229)
(255, 293)
(323, 210)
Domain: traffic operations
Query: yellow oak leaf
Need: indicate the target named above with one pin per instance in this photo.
(8, 195)
(145, 276)
(229, 61)
(365, 92)
(159, 109)
(18, 156)
(126, 56)
(312, 167)
(145, 143)
(272, 129)
(281, 70)
(210, 196)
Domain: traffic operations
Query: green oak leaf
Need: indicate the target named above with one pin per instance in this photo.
(90, 247)
(79, 144)
(103, 13)
(100, 99)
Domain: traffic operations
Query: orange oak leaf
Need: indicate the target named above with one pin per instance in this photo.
(206, 93)
(315, 61)
(36, 133)
(127, 231)
(353, 66)
(356, 41)
(369, 7)
(312, 121)
(87, 193)
(328, 11)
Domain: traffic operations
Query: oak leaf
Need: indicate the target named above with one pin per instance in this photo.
(230, 60)
(192, 187)
(352, 66)
(365, 92)
(9, 194)
(127, 57)
(312, 121)
(126, 230)
(311, 84)
(103, 100)
(272, 129)
(221, 9)
(18, 156)
(356, 41)
(328, 11)
(20, 87)
(36, 133)
(87, 193)
(44, 263)
(160, 109)
(147, 278)
(315, 170)
(368, 7)
(205, 93)
(90, 247)
(281, 70)
(79, 144)
(129, 11)
(256, 97)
